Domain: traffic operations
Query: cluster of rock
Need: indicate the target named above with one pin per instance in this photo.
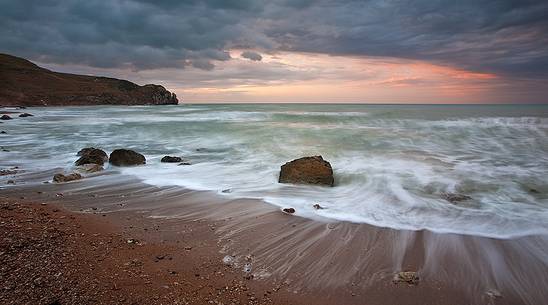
(92, 160)
(6, 117)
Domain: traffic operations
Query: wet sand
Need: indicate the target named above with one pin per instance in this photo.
(178, 239)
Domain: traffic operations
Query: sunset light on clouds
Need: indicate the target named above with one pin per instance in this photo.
(297, 51)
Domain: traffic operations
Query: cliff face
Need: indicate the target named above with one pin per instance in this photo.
(26, 84)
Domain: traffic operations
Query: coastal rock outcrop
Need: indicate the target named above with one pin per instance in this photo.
(126, 157)
(59, 178)
(26, 84)
(91, 155)
(171, 159)
(307, 170)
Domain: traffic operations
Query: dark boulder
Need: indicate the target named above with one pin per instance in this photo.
(170, 159)
(126, 157)
(288, 210)
(307, 170)
(59, 178)
(91, 155)
(24, 115)
(5, 117)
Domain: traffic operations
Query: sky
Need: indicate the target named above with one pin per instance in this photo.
(338, 51)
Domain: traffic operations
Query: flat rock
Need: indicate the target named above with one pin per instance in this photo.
(455, 197)
(59, 178)
(408, 277)
(90, 168)
(307, 170)
(24, 115)
(126, 157)
(170, 159)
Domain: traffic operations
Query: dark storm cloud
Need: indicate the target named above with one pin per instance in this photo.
(499, 36)
(508, 37)
(139, 34)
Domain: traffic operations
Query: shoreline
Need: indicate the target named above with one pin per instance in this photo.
(328, 262)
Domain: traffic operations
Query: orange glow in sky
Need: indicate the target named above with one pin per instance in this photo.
(304, 77)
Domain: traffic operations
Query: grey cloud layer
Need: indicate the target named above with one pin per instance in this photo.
(502, 36)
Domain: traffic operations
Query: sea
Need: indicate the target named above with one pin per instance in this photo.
(393, 164)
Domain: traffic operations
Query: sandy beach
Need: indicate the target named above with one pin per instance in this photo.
(106, 240)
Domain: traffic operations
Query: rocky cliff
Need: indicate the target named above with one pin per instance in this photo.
(26, 84)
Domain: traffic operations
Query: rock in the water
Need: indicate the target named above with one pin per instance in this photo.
(307, 170)
(24, 115)
(66, 178)
(5, 117)
(170, 159)
(317, 206)
(409, 277)
(126, 157)
(184, 163)
(90, 168)
(84, 151)
(5, 172)
(91, 155)
(288, 210)
(454, 197)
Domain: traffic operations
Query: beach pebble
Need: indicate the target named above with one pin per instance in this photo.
(228, 260)
(409, 277)
(493, 293)
(247, 268)
(132, 241)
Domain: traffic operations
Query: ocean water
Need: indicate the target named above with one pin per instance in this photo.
(392, 163)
